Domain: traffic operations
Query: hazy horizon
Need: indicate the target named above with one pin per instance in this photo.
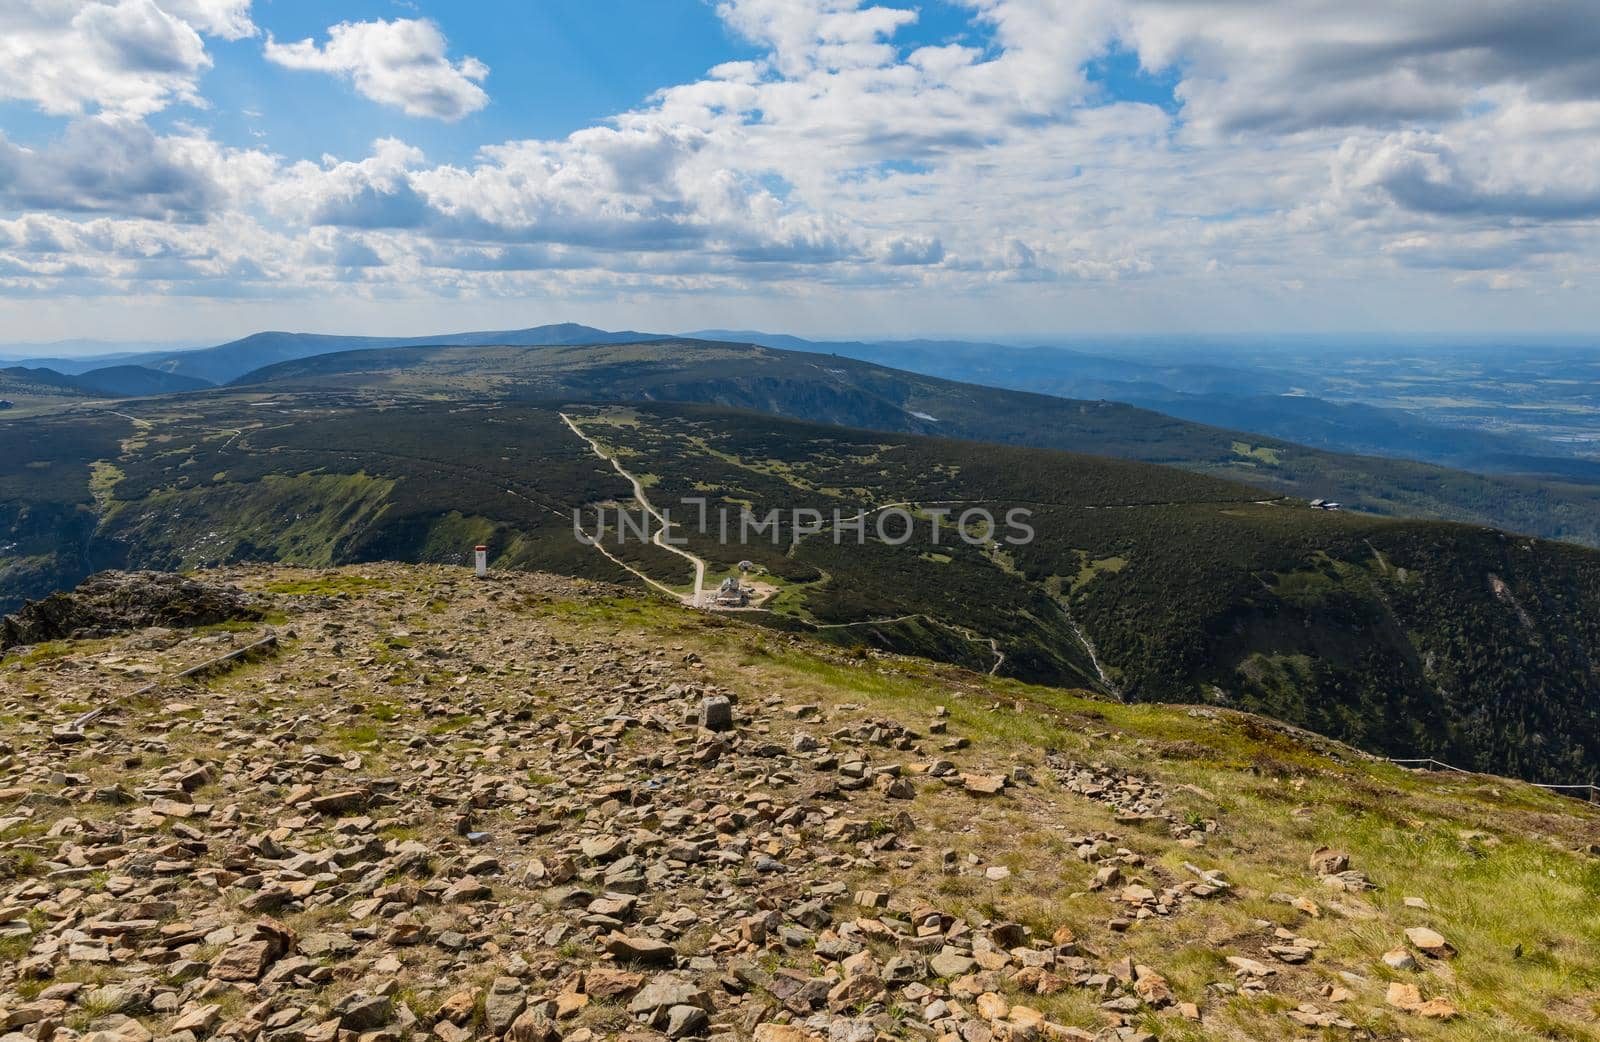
(83, 348)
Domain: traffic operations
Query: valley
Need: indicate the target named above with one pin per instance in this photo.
(1142, 583)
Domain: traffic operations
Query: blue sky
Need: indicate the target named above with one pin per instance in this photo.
(197, 169)
(557, 66)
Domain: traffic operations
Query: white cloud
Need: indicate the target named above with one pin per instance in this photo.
(120, 57)
(826, 34)
(1326, 152)
(119, 166)
(401, 63)
(229, 19)
(1307, 64)
(1515, 163)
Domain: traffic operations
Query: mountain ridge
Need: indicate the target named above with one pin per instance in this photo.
(116, 381)
(1254, 398)
(1241, 393)
(226, 362)
(851, 392)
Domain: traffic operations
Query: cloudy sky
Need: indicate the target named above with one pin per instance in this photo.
(200, 169)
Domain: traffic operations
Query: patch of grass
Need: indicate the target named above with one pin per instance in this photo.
(401, 832)
(20, 864)
(48, 651)
(451, 724)
(1264, 453)
(357, 735)
(14, 949)
(424, 1002)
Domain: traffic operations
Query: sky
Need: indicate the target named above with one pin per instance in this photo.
(200, 169)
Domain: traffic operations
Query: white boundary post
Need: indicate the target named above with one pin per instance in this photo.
(482, 555)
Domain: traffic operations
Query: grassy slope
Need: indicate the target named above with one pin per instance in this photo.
(48, 512)
(1492, 858)
(214, 479)
(32, 392)
(1489, 857)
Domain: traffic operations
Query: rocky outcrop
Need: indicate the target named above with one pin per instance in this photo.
(115, 602)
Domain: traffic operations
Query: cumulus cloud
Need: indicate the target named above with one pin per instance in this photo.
(1300, 65)
(827, 34)
(229, 19)
(120, 57)
(400, 63)
(117, 166)
(1315, 145)
(374, 192)
(1431, 173)
(911, 249)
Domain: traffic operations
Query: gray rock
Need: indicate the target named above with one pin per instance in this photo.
(685, 1021)
(359, 1011)
(502, 1006)
(663, 993)
(628, 948)
(950, 963)
(716, 713)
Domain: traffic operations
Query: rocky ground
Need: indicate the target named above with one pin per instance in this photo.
(536, 809)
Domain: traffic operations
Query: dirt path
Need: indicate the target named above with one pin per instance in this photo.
(693, 600)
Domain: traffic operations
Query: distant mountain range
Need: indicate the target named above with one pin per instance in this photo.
(1060, 371)
(852, 393)
(95, 353)
(1247, 397)
(1253, 398)
(114, 381)
(228, 362)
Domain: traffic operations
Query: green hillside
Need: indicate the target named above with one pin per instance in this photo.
(35, 390)
(1144, 582)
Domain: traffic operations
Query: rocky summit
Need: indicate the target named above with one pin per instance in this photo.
(540, 809)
